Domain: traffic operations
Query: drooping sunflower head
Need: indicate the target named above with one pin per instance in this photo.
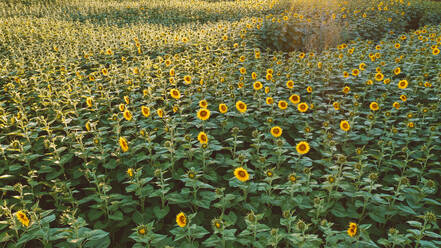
(203, 114)
(276, 131)
(121, 107)
(202, 137)
(241, 106)
(241, 174)
(302, 147)
(181, 219)
(344, 125)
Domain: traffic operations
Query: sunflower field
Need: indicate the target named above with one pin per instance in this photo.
(220, 123)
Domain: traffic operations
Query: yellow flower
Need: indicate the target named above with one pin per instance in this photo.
(302, 147)
(130, 172)
(362, 66)
(187, 79)
(355, 72)
(282, 104)
(269, 76)
(352, 230)
(88, 126)
(346, 89)
(145, 111)
(121, 107)
(397, 45)
(172, 72)
(290, 84)
(410, 125)
(202, 137)
(105, 71)
(241, 174)
(374, 106)
(396, 105)
(21, 216)
(397, 70)
(141, 231)
(203, 103)
(309, 89)
(302, 107)
(123, 143)
(257, 85)
(294, 99)
(175, 93)
(253, 75)
(269, 100)
(379, 76)
(267, 90)
(336, 105)
(435, 51)
(241, 106)
(181, 219)
(403, 84)
(128, 115)
(243, 70)
(344, 125)
(223, 108)
(160, 112)
(203, 114)
(89, 102)
(403, 98)
(276, 131)
(126, 99)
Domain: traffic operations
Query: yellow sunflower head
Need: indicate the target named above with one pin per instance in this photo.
(290, 84)
(302, 147)
(202, 137)
(175, 93)
(282, 104)
(269, 100)
(145, 111)
(203, 114)
(181, 219)
(344, 125)
(276, 131)
(403, 84)
(123, 143)
(127, 115)
(241, 174)
(241, 106)
(294, 99)
(257, 85)
(374, 106)
(21, 216)
(303, 107)
(203, 103)
(223, 108)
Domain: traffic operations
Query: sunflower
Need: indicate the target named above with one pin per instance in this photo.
(123, 143)
(411, 125)
(202, 137)
(187, 79)
(89, 102)
(223, 108)
(345, 74)
(397, 45)
(302, 147)
(344, 125)
(175, 93)
(241, 174)
(160, 112)
(346, 89)
(352, 230)
(267, 90)
(374, 106)
(336, 105)
(269, 100)
(269, 71)
(130, 172)
(397, 70)
(203, 114)
(276, 131)
(379, 76)
(303, 107)
(181, 219)
(403, 98)
(253, 75)
(427, 85)
(292, 178)
(88, 126)
(203, 103)
(294, 99)
(121, 107)
(141, 231)
(435, 51)
(396, 105)
(145, 111)
(362, 66)
(126, 99)
(355, 72)
(241, 106)
(403, 84)
(242, 70)
(105, 71)
(269, 76)
(257, 85)
(309, 89)
(21, 216)
(282, 104)
(290, 84)
(127, 115)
